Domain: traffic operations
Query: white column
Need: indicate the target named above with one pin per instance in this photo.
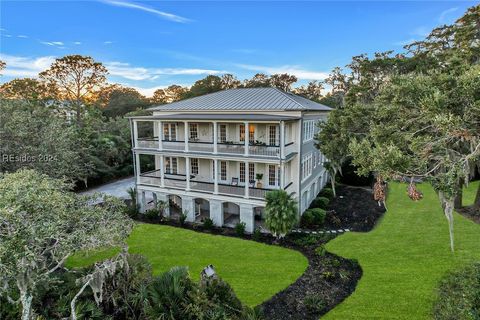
(216, 212)
(247, 138)
(137, 166)
(188, 206)
(160, 135)
(141, 200)
(246, 215)
(187, 171)
(215, 137)
(164, 197)
(247, 180)
(215, 176)
(282, 139)
(185, 124)
(162, 172)
(282, 175)
(135, 133)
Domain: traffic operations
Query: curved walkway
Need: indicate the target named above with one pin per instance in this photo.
(404, 257)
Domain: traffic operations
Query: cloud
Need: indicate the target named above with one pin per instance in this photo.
(165, 15)
(421, 31)
(125, 70)
(244, 51)
(404, 42)
(53, 43)
(107, 42)
(7, 35)
(77, 43)
(443, 15)
(297, 71)
(25, 66)
(22, 36)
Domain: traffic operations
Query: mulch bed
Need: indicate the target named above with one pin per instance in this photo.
(353, 208)
(471, 212)
(328, 279)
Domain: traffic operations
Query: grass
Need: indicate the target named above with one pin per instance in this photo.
(255, 271)
(405, 256)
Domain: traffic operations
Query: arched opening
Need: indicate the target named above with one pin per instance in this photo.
(231, 214)
(259, 218)
(202, 209)
(175, 206)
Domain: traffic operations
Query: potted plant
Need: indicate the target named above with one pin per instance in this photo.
(259, 177)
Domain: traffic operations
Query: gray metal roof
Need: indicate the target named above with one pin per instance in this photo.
(218, 116)
(243, 99)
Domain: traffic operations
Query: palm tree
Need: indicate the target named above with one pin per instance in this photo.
(281, 212)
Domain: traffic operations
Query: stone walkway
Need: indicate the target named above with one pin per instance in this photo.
(320, 231)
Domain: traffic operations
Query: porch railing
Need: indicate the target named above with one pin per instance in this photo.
(233, 147)
(200, 146)
(147, 143)
(173, 145)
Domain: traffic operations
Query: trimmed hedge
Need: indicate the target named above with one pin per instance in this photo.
(327, 193)
(313, 218)
(320, 202)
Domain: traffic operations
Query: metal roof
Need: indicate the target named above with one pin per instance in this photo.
(218, 116)
(243, 99)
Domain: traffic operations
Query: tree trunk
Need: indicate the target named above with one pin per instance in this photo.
(332, 182)
(458, 197)
(477, 198)
(26, 300)
(73, 313)
(447, 205)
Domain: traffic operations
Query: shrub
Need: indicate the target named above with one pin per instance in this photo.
(240, 228)
(320, 202)
(314, 303)
(151, 214)
(257, 234)
(308, 240)
(459, 295)
(327, 193)
(280, 212)
(182, 218)
(320, 250)
(313, 218)
(208, 224)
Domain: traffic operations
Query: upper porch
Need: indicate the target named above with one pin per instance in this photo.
(253, 135)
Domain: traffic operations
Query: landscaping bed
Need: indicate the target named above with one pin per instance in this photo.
(354, 209)
(471, 212)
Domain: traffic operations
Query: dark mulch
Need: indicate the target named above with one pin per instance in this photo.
(471, 212)
(328, 280)
(353, 208)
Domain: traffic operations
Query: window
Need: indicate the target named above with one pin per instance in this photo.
(272, 135)
(251, 133)
(193, 131)
(242, 171)
(273, 175)
(223, 133)
(307, 166)
(194, 166)
(171, 165)
(242, 133)
(251, 172)
(308, 130)
(170, 131)
(223, 170)
(315, 159)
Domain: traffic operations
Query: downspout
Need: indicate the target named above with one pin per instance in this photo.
(300, 167)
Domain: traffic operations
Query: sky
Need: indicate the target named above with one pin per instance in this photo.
(153, 44)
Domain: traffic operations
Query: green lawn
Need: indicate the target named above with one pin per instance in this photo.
(255, 271)
(404, 257)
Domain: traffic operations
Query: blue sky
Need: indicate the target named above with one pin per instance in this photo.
(152, 44)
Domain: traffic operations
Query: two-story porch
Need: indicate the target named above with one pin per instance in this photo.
(247, 135)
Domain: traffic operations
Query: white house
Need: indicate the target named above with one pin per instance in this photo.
(217, 155)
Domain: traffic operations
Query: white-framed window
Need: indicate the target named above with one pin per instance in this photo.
(194, 166)
(170, 131)
(307, 166)
(251, 172)
(251, 133)
(273, 175)
(223, 133)
(308, 130)
(223, 170)
(272, 135)
(241, 132)
(242, 171)
(171, 165)
(193, 131)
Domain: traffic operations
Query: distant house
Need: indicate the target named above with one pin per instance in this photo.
(217, 155)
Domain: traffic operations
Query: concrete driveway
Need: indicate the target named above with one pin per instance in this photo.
(117, 188)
